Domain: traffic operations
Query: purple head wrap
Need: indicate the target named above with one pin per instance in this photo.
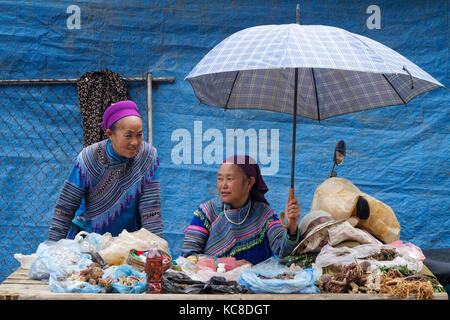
(117, 111)
(251, 169)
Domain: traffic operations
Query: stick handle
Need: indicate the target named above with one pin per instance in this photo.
(291, 194)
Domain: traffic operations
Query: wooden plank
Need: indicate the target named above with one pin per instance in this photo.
(19, 286)
(9, 296)
(20, 273)
(45, 295)
(25, 281)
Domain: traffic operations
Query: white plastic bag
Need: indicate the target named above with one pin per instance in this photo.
(92, 242)
(119, 247)
(344, 256)
(58, 258)
(25, 260)
(412, 250)
(345, 231)
(203, 274)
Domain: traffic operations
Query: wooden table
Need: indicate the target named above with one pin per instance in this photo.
(18, 286)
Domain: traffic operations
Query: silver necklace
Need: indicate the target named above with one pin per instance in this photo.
(246, 215)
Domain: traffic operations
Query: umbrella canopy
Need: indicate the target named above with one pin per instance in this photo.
(313, 71)
(339, 72)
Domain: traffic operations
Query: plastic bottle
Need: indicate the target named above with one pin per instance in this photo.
(221, 268)
(154, 269)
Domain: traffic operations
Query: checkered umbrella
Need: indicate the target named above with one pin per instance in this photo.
(313, 71)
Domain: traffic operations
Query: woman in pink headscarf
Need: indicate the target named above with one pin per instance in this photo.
(239, 222)
(113, 185)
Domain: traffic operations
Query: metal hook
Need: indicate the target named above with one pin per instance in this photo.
(410, 76)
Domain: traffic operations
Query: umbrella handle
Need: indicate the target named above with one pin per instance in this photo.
(291, 196)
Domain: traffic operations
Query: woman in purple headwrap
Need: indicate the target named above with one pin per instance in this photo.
(113, 185)
(240, 223)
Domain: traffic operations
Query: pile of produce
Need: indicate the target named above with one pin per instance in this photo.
(348, 278)
(92, 275)
(398, 281)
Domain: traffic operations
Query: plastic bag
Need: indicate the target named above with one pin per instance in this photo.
(201, 273)
(343, 256)
(71, 286)
(179, 282)
(58, 258)
(125, 270)
(119, 247)
(407, 247)
(92, 242)
(94, 279)
(256, 278)
(221, 286)
(25, 260)
(345, 231)
(339, 197)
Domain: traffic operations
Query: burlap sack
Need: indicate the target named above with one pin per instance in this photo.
(338, 196)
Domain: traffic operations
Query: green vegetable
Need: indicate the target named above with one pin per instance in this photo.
(437, 287)
(403, 270)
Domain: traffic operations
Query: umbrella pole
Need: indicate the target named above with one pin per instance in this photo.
(294, 118)
(294, 134)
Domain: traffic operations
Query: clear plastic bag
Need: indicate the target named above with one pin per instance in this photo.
(58, 258)
(92, 242)
(201, 273)
(71, 286)
(262, 278)
(343, 256)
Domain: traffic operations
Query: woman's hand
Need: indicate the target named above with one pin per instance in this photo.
(242, 262)
(292, 213)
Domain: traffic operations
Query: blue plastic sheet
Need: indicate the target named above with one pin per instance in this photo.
(399, 155)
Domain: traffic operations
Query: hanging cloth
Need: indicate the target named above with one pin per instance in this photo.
(97, 90)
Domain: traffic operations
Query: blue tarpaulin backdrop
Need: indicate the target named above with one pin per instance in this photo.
(399, 155)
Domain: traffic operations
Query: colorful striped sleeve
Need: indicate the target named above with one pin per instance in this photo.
(279, 239)
(196, 234)
(68, 202)
(150, 206)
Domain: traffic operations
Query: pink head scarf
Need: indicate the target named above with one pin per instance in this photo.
(117, 111)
